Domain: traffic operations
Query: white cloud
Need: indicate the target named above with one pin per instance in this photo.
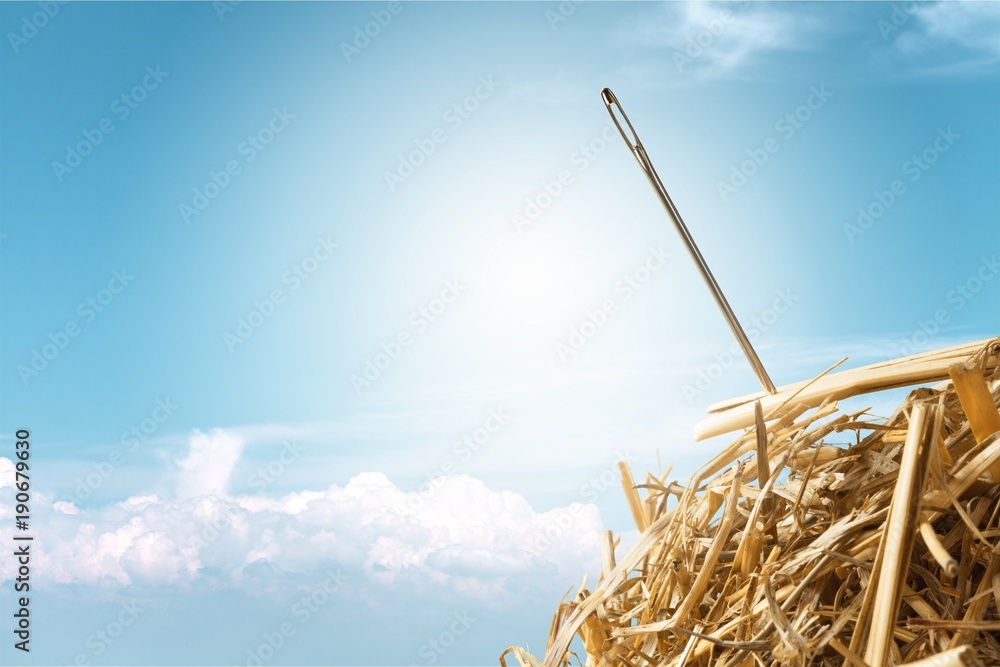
(974, 26)
(458, 535)
(65, 507)
(206, 469)
(698, 40)
(7, 474)
(717, 38)
(155, 557)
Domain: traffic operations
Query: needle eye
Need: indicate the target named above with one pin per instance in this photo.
(609, 101)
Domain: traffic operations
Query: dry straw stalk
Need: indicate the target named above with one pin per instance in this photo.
(798, 543)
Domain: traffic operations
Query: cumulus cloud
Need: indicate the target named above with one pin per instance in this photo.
(458, 534)
(6, 474)
(65, 507)
(209, 463)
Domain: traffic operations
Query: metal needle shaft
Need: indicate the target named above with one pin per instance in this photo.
(675, 217)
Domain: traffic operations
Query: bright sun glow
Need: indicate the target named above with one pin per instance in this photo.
(528, 279)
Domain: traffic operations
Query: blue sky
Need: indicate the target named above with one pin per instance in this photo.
(262, 276)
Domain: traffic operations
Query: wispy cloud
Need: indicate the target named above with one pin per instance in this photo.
(945, 38)
(971, 26)
(713, 39)
(694, 41)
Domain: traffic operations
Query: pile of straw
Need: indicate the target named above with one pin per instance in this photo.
(785, 549)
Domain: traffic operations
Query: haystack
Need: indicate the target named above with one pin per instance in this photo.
(787, 549)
